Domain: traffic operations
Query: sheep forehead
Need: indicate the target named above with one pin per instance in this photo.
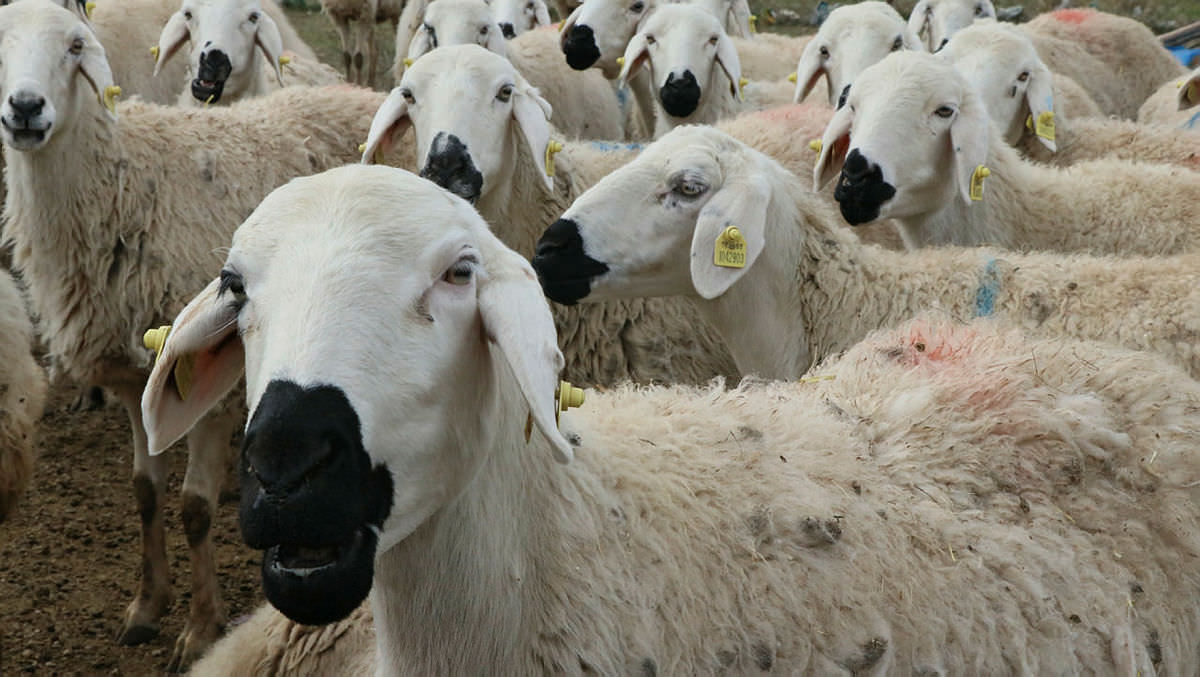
(466, 64)
(849, 19)
(40, 16)
(682, 20)
(991, 49)
(461, 10)
(696, 149)
(220, 7)
(907, 78)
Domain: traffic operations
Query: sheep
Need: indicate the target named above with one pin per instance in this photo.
(226, 37)
(111, 223)
(851, 38)
(1173, 103)
(481, 131)
(954, 181)
(22, 396)
(948, 499)
(693, 66)
(1116, 59)
(792, 288)
(584, 104)
(360, 64)
(517, 17)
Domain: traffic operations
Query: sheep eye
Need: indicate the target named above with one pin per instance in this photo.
(842, 97)
(459, 273)
(505, 93)
(253, 17)
(824, 52)
(187, 14)
(978, 10)
(233, 283)
(897, 43)
(713, 40)
(690, 188)
(529, 7)
(408, 96)
(650, 40)
(1024, 76)
(637, 6)
(77, 46)
(483, 30)
(944, 111)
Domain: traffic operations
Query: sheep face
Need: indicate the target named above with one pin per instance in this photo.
(518, 16)
(852, 38)
(457, 22)
(224, 35)
(370, 310)
(628, 235)
(468, 107)
(53, 68)
(1012, 80)
(940, 19)
(596, 33)
(912, 131)
(687, 50)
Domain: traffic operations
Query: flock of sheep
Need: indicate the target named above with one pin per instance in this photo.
(960, 274)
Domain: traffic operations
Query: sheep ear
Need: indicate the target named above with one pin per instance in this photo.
(94, 67)
(727, 59)
(200, 362)
(809, 70)
(565, 29)
(834, 144)
(969, 138)
(919, 18)
(420, 44)
(740, 11)
(172, 37)
(911, 40)
(720, 255)
(1040, 97)
(496, 42)
(541, 13)
(267, 39)
(388, 125)
(636, 54)
(517, 319)
(1189, 91)
(532, 114)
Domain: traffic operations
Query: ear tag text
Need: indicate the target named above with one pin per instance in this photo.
(730, 249)
(156, 340)
(1043, 126)
(977, 178)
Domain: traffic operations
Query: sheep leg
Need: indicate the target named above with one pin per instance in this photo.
(364, 29)
(154, 596)
(342, 24)
(208, 456)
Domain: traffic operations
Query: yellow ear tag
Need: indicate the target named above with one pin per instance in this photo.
(1044, 126)
(88, 8)
(109, 98)
(407, 62)
(284, 60)
(792, 78)
(154, 52)
(621, 61)
(566, 397)
(753, 23)
(977, 178)
(815, 145)
(156, 339)
(742, 82)
(730, 249)
(551, 148)
(1193, 93)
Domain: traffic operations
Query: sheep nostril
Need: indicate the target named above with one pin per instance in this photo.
(508, 31)
(857, 167)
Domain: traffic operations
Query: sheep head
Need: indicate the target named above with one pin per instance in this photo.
(457, 22)
(54, 68)
(911, 133)
(687, 51)
(470, 110)
(389, 342)
(1015, 85)
(940, 19)
(596, 33)
(851, 38)
(225, 35)
(519, 16)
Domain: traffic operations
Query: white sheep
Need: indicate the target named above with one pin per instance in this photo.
(791, 287)
(1174, 104)
(22, 396)
(481, 131)
(1116, 59)
(1018, 89)
(914, 143)
(951, 499)
(694, 69)
(227, 37)
(517, 17)
(851, 38)
(113, 222)
(364, 14)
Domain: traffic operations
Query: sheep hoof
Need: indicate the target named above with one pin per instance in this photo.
(138, 633)
(191, 645)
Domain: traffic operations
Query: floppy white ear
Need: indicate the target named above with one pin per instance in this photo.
(919, 19)
(911, 40)
(1040, 97)
(809, 70)
(420, 44)
(172, 37)
(199, 364)
(541, 14)
(93, 65)
(727, 59)
(565, 29)
(969, 137)
(517, 319)
(532, 114)
(1189, 91)
(268, 40)
(739, 10)
(834, 144)
(495, 42)
(388, 125)
(742, 203)
(636, 54)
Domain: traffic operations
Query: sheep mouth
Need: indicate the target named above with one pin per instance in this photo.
(315, 584)
(207, 91)
(25, 139)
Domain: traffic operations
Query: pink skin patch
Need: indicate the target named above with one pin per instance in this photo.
(1073, 16)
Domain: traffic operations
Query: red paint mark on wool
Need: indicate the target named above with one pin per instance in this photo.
(797, 113)
(1073, 16)
(946, 354)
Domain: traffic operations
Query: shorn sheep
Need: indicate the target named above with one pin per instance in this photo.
(112, 223)
(22, 396)
(789, 287)
(1026, 101)
(482, 132)
(358, 44)
(227, 37)
(915, 143)
(954, 499)
(1175, 103)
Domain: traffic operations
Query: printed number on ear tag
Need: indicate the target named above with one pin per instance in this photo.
(1044, 126)
(730, 249)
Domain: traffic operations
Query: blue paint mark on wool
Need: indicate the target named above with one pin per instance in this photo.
(989, 287)
(1192, 122)
(611, 146)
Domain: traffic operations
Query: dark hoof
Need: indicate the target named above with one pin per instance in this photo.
(137, 634)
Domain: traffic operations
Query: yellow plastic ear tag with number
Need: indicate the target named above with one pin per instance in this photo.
(730, 249)
(977, 178)
(1044, 125)
(551, 148)
(109, 98)
(155, 339)
(1192, 95)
